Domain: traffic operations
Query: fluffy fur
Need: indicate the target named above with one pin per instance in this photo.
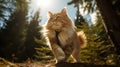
(62, 36)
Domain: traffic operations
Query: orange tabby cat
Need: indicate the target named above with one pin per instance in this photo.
(62, 36)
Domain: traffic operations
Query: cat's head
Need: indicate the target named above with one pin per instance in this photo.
(58, 21)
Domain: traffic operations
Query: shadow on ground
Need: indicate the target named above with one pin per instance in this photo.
(65, 64)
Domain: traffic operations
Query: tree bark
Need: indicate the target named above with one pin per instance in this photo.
(111, 21)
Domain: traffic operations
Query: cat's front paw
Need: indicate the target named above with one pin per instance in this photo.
(60, 61)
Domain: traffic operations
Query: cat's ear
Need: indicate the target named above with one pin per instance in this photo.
(64, 10)
(50, 13)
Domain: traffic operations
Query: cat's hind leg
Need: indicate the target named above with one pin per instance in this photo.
(76, 55)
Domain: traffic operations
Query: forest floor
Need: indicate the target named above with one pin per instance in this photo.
(5, 63)
(36, 64)
(39, 64)
(28, 63)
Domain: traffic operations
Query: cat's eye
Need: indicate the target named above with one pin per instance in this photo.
(58, 16)
(51, 17)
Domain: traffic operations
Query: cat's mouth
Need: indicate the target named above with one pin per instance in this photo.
(58, 30)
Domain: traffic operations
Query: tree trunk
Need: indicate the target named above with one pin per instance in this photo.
(111, 21)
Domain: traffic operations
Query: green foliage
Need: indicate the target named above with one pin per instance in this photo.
(21, 39)
(110, 13)
(43, 53)
(87, 5)
(90, 5)
(5, 7)
(99, 48)
(32, 33)
(35, 46)
(79, 20)
(13, 35)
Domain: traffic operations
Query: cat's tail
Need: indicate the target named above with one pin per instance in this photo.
(82, 39)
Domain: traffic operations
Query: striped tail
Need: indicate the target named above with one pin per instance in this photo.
(82, 39)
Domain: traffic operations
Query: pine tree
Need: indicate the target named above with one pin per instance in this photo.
(110, 57)
(5, 7)
(35, 47)
(32, 33)
(42, 52)
(110, 14)
(14, 31)
(79, 18)
(99, 47)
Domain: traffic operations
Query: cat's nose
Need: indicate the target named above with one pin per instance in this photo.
(56, 18)
(54, 21)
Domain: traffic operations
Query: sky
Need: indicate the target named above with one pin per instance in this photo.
(56, 6)
(53, 6)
